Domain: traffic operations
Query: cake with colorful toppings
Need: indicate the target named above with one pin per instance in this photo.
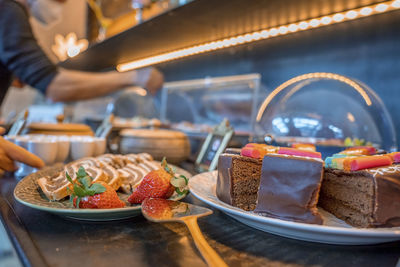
(363, 189)
(277, 182)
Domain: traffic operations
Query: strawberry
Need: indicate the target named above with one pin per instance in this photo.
(87, 195)
(157, 208)
(159, 183)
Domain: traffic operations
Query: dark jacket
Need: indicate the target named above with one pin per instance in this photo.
(20, 54)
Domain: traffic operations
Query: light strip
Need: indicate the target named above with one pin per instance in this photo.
(324, 75)
(264, 34)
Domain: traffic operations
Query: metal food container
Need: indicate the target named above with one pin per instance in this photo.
(173, 145)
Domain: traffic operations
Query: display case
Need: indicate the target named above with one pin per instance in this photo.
(327, 109)
(197, 105)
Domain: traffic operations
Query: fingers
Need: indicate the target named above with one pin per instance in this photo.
(2, 130)
(155, 81)
(149, 78)
(6, 163)
(17, 153)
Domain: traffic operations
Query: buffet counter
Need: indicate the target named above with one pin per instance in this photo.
(43, 239)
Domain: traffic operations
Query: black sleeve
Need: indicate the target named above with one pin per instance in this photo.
(19, 50)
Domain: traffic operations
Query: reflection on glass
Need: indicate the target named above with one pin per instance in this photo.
(325, 108)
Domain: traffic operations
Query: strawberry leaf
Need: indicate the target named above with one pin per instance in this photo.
(184, 177)
(81, 172)
(83, 186)
(85, 181)
(97, 188)
(68, 178)
(78, 200)
(164, 164)
(79, 191)
(183, 192)
(71, 198)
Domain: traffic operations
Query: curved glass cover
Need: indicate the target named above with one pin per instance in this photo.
(326, 109)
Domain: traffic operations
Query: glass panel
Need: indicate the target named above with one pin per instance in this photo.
(326, 109)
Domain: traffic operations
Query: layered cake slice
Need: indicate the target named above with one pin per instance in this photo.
(363, 191)
(239, 172)
(238, 180)
(276, 182)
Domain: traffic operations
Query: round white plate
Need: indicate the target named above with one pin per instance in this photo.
(333, 231)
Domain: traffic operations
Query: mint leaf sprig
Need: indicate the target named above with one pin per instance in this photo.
(165, 166)
(180, 182)
(83, 186)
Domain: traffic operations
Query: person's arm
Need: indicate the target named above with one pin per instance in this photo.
(22, 55)
(19, 50)
(71, 85)
(10, 152)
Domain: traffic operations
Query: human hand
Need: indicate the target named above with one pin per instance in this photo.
(150, 78)
(10, 152)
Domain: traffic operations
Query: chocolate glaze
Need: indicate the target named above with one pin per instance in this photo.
(289, 188)
(224, 185)
(386, 182)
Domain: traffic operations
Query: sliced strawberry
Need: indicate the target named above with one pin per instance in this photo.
(157, 208)
(159, 183)
(155, 184)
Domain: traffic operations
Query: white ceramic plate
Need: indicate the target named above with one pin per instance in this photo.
(333, 231)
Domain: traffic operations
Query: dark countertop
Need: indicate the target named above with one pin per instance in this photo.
(43, 239)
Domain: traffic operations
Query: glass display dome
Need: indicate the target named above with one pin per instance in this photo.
(328, 110)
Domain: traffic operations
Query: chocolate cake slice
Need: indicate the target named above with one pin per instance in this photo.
(238, 180)
(275, 185)
(363, 198)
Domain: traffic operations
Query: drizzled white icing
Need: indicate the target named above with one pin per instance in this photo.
(384, 170)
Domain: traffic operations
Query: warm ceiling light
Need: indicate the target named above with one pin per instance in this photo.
(342, 16)
(396, 4)
(273, 32)
(256, 36)
(264, 34)
(381, 7)
(314, 23)
(326, 20)
(248, 37)
(293, 27)
(366, 11)
(283, 29)
(338, 17)
(303, 25)
(351, 14)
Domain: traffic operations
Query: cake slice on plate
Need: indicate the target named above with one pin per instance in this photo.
(277, 182)
(363, 191)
